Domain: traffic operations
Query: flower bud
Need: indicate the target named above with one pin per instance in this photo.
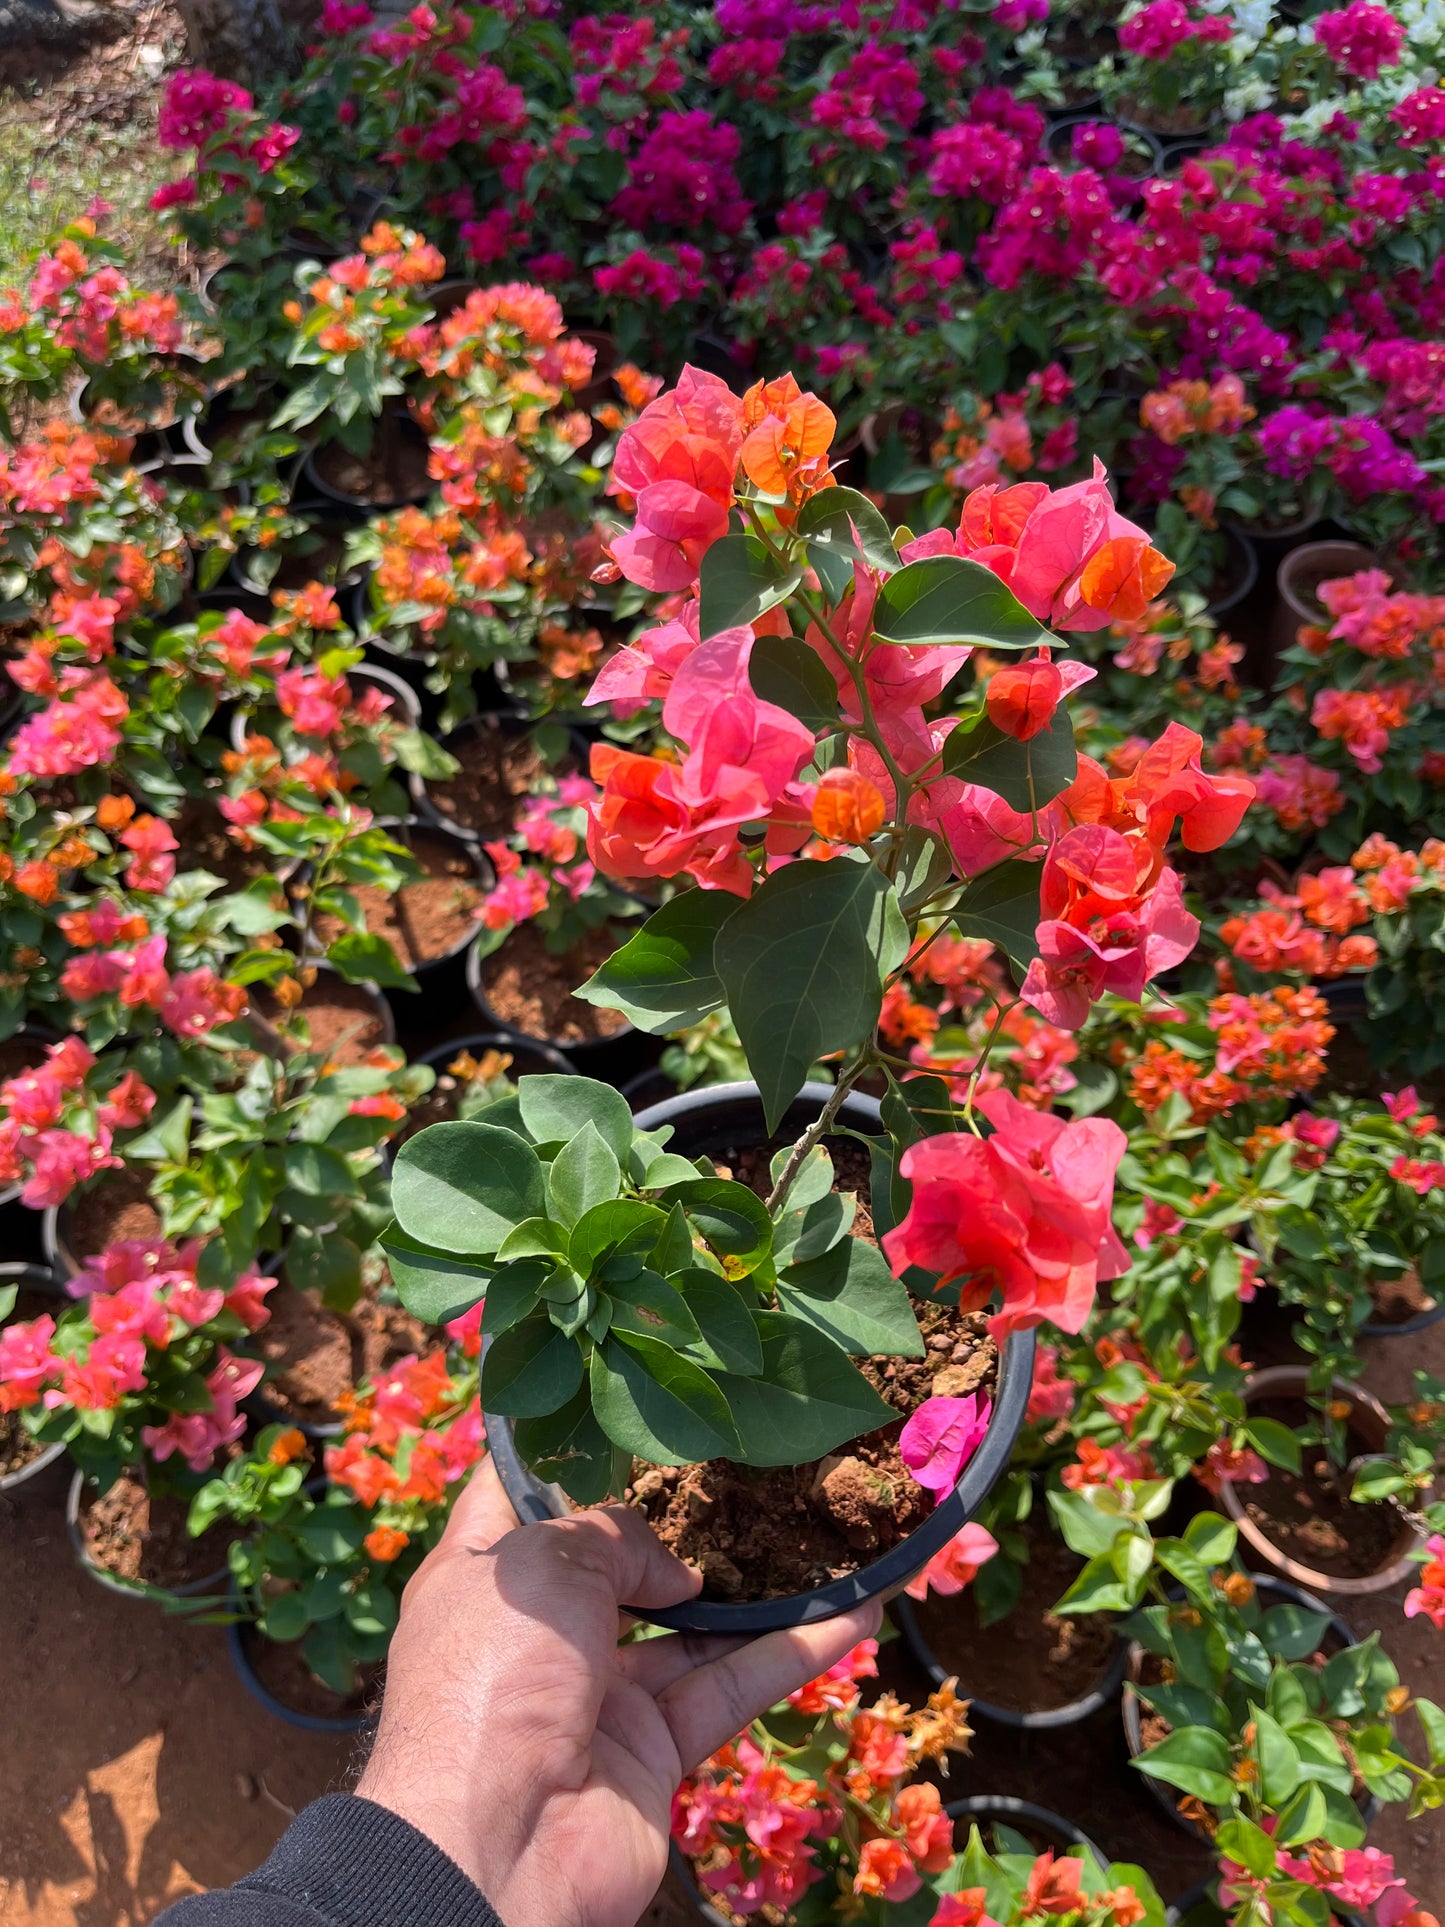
(1022, 697)
(848, 808)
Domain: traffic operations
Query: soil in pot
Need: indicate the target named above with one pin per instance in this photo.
(421, 921)
(20, 1054)
(141, 1535)
(1399, 1299)
(315, 1355)
(1312, 1519)
(281, 1667)
(345, 1020)
(758, 1533)
(500, 768)
(393, 470)
(529, 989)
(118, 1207)
(178, 394)
(1031, 1660)
(205, 844)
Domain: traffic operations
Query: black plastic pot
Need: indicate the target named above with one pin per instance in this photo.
(240, 1636)
(1243, 571)
(1198, 1905)
(504, 722)
(649, 1088)
(1278, 1592)
(612, 1059)
(211, 1582)
(528, 1059)
(1002, 1809)
(705, 1122)
(402, 696)
(1109, 1685)
(39, 1280)
(405, 434)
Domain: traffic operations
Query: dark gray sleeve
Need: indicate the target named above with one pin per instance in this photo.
(344, 1862)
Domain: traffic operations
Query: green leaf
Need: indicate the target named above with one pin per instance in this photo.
(1002, 906)
(1087, 1529)
(658, 1405)
(433, 1285)
(808, 1398)
(530, 1370)
(1303, 1817)
(1279, 1766)
(617, 1226)
(1432, 1725)
(570, 1448)
(464, 1185)
(739, 581)
(1275, 1442)
(1197, 1760)
(842, 522)
(943, 598)
(1249, 1845)
(652, 1307)
(728, 1334)
(166, 1141)
(851, 1296)
(362, 957)
(1211, 1538)
(512, 1295)
(1026, 775)
(732, 1220)
(1292, 1632)
(534, 1238)
(316, 1171)
(584, 1173)
(554, 1109)
(802, 962)
(663, 978)
(787, 672)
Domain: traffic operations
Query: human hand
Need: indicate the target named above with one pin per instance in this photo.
(520, 1738)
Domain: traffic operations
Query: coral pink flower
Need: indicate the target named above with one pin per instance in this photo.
(1427, 1598)
(247, 1299)
(151, 841)
(26, 1362)
(678, 460)
(966, 1908)
(136, 1310)
(927, 1830)
(886, 1871)
(198, 1000)
(955, 1567)
(130, 1102)
(1050, 1396)
(61, 1160)
(941, 1437)
(1025, 1212)
(114, 1366)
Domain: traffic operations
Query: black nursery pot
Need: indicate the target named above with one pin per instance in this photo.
(1241, 573)
(706, 1122)
(1034, 1822)
(1277, 1592)
(528, 1060)
(240, 1638)
(1107, 1687)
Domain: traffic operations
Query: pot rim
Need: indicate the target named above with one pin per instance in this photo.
(318, 481)
(212, 1582)
(1004, 1806)
(1109, 1684)
(881, 1578)
(483, 875)
(1291, 1380)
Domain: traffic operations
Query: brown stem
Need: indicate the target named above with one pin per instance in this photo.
(816, 1132)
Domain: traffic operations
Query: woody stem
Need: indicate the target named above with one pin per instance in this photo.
(818, 1130)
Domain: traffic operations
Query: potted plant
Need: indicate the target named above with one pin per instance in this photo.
(578, 1369)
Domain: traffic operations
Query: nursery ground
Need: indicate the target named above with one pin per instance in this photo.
(137, 1769)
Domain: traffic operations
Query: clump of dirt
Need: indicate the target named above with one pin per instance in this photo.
(17, 1448)
(422, 921)
(139, 1534)
(764, 1533)
(529, 989)
(1311, 1517)
(117, 1207)
(500, 768)
(314, 1355)
(1032, 1659)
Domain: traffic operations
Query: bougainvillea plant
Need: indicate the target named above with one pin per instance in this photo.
(834, 832)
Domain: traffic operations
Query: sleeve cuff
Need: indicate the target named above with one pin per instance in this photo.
(357, 1864)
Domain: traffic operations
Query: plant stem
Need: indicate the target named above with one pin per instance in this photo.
(817, 1131)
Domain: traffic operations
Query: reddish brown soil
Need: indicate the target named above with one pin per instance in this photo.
(17, 1448)
(426, 920)
(500, 768)
(282, 1670)
(345, 1021)
(1312, 1519)
(394, 473)
(314, 1355)
(206, 845)
(118, 1206)
(1399, 1299)
(1031, 1660)
(530, 990)
(762, 1534)
(138, 1534)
